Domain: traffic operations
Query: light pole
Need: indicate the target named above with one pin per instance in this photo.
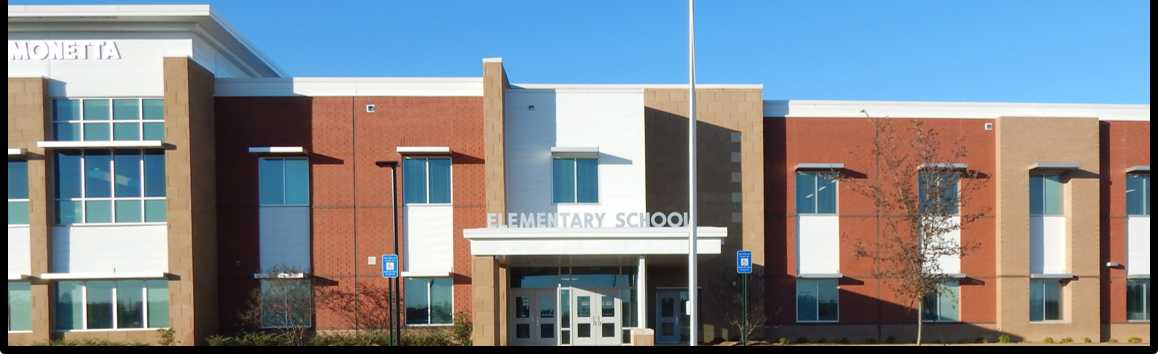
(395, 324)
(693, 272)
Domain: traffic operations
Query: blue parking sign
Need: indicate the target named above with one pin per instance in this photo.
(744, 262)
(390, 266)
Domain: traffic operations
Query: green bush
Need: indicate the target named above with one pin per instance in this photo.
(1088, 341)
(1134, 340)
(801, 340)
(1048, 340)
(981, 340)
(1067, 340)
(168, 337)
(87, 343)
(785, 341)
(463, 330)
(1004, 339)
(365, 339)
(247, 340)
(426, 338)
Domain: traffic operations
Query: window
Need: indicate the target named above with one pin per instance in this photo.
(17, 192)
(943, 307)
(19, 307)
(940, 194)
(1138, 301)
(112, 305)
(817, 301)
(816, 193)
(576, 181)
(429, 302)
(1045, 301)
(110, 187)
(427, 180)
(284, 182)
(287, 303)
(1046, 195)
(109, 120)
(1137, 195)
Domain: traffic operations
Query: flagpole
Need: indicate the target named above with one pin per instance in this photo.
(693, 272)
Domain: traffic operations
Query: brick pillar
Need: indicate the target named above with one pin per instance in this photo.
(28, 123)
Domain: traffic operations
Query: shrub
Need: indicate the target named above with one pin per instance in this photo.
(801, 340)
(981, 340)
(87, 343)
(1048, 340)
(366, 339)
(1087, 341)
(891, 340)
(1067, 340)
(422, 338)
(168, 337)
(1004, 339)
(822, 341)
(844, 341)
(463, 330)
(1134, 340)
(785, 341)
(248, 340)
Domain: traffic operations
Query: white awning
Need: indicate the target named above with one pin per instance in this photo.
(592, 242)
(15, 152)
(1135, 169)
(945, 166)
(103, 276)
(821, 276)
(425, 275)
(819, 166)
(15, 276)
(1061, 167)
(1052, 276)
(427, 150)
(59, 145)
(575, 152)
(285, 150)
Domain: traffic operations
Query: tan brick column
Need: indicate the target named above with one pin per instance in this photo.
(191, 181)
(28, 112)
(488, 284)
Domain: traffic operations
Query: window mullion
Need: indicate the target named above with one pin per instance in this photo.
(116, 321)
(284, 182)
(429, 186)
(145, 305)
(83, 186)
(84, 305)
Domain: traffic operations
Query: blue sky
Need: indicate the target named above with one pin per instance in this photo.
(1061, 51)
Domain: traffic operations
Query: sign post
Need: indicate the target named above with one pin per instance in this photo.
(744, 267)
(390, 271)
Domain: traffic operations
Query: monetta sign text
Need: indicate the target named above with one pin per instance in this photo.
(62, 50)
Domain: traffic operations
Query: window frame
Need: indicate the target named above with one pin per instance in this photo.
(284, 182)
(955, 287)
(1145, 298)
(80, 122)
(1045, 201)
(427, 183)
(816, 189)
(17, 201)
(921, 191)
(1061, 302)
(83, 200)
(575, 181)
(27, 311)
(1145, 193)
(429, 303)
(817, 283)
(115, 311)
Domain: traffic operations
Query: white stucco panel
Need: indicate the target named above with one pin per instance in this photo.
(110, 249)
(429, 239)
(818, 244)
(19, 251)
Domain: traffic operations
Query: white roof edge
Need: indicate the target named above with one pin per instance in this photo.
(426, 274)
(347, 87)
(246, 43)
(492, 60)
(100, 144)
(104, 276)
(278, 150)
(354, 80)
(636, 86)
(952, 110)
(424, 150)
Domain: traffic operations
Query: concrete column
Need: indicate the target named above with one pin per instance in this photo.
(642, 291)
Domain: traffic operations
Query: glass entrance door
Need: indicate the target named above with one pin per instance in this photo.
(672, 317)
(597, 318)
(534, 318)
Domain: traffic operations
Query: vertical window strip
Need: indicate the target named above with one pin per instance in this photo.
(18, 212)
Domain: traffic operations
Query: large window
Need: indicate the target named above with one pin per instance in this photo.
(19, 307)
(1045, 301)
(284, 182)
(1138, 301)
(112, 305)
(110, 187)
(427, 180)
(17, 192)
(943, 307)
(576, 181)
(940, 193)
(816, 193)
(1137, 195)
(287, 303)
(429, 302)
(1046, 195)
(817, 301)
(109, 120)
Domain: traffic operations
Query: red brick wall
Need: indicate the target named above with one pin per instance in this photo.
(345, 142)
(1124, 145)
(864, 300)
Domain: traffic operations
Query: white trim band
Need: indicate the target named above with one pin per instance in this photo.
(1139, 277)
(278, 150)
(100, 145)
(428, 150)
(104, 276)
(426, 274)
(575, 152)
(821, 276)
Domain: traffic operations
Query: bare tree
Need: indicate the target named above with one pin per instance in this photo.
(726, 296)
(284, 304)
(922, 196)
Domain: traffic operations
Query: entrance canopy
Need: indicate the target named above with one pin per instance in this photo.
(592, 242)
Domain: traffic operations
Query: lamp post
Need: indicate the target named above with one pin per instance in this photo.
(395, 324)
(693, 272)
